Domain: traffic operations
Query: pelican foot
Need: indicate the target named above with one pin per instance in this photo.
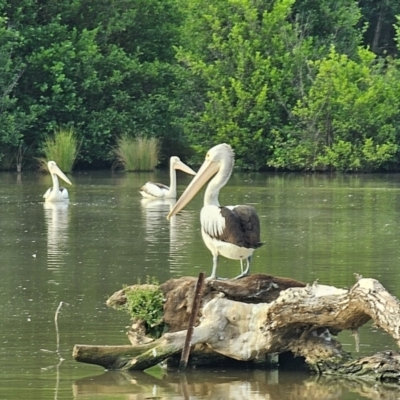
(215, 278)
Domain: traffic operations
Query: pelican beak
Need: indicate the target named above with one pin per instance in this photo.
(206, 171)
(61, 174)
(183, 167)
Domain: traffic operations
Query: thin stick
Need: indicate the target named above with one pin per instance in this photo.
(57, 351)
(57, 331)
(192, 320)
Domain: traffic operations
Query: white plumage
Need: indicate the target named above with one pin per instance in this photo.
(56, 193)
(211, 221)
(231, 231)
(153, 190)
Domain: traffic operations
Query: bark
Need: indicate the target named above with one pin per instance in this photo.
(260, 316)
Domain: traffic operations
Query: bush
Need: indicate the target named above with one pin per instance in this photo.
(63, 148)
(349, 117)
(137, 154)
(145, 303)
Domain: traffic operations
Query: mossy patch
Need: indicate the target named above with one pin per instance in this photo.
(145, 302)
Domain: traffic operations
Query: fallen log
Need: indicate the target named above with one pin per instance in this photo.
(257, 317)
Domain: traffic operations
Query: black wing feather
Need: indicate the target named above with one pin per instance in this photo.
(242, 226)
(161, 186)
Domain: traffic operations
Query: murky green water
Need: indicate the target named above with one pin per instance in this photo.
(314, 227)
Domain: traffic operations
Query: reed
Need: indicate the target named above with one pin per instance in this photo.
(63, 148)
(137, 154)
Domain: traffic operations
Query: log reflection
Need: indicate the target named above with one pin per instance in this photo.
(233, 385)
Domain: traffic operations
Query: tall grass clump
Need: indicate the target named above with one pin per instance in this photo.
(62, 148)
(137, 154)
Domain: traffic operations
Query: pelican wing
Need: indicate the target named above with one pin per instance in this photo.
(154, 189)
(64, 192)
(47, 194)
(242, 226)
(212, 222)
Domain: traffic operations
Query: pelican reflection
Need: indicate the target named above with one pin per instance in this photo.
(159, 230)
(56, 217)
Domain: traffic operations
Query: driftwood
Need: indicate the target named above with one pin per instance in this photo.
(255, 318)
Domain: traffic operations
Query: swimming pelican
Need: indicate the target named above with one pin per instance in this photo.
(152, 190)
(56, 193)
(229, 231)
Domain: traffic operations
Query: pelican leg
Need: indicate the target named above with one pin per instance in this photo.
(241, 265)
(246, 271)
(214, 269)
(248, 262)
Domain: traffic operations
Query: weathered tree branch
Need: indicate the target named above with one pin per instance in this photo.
(261, 315)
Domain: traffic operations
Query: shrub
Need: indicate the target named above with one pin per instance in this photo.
(137, 154)
(350, 114)
(63, 148)
(145, 303)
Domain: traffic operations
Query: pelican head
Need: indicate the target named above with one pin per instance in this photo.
(54, 169)
(176, 163)
(219, 159)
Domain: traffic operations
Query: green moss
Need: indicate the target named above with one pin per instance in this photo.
(145, 302)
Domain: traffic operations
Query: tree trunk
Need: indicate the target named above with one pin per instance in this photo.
(260, 316)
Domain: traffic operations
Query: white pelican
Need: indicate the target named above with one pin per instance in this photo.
(230, 231)
(152, 190)
(56, 193)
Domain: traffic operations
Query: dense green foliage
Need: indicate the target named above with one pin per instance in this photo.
(105, 70)
(348, 119)
(290, 84)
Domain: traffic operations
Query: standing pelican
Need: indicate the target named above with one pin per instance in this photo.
(56, 193)
(152, 190)
(230, 231)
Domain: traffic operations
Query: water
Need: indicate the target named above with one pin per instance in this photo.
(315, 227)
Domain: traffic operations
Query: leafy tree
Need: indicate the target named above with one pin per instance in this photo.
(105, 68)
(13, 120)
(248, 65)
(330, 22)
(283, 81)
(379, 16)
(349, 118)
(237, 55)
